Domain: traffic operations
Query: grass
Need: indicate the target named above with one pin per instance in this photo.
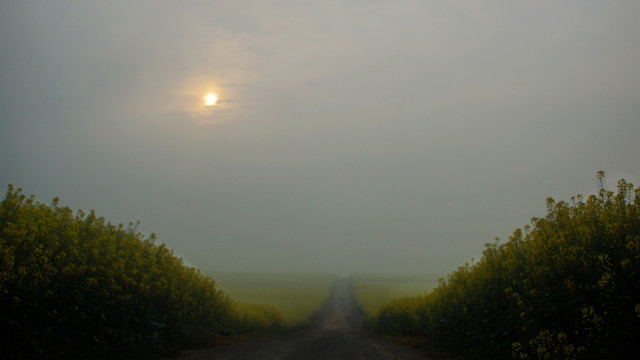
(375, 290)
(295, 295)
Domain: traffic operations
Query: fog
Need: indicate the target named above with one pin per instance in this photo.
(349, 136)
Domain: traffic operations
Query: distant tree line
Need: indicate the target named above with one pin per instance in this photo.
(565, 287)
(73, 286)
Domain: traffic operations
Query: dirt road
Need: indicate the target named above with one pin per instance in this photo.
(336, 334)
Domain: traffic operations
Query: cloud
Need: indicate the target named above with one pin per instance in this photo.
(359, 136)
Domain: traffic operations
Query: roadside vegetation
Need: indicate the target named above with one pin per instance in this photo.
(74, 286)
(373, 291)
(565, 287)
(295, 297)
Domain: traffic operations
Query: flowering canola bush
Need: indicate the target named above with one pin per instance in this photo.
(76, 286)
(565, 287)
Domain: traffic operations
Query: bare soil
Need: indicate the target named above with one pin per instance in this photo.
(335, 333)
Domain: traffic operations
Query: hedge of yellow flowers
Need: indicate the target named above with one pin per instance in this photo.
(565, 287)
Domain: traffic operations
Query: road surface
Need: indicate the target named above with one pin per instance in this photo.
(336, 333)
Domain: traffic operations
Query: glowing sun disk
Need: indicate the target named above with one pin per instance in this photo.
(210, 99)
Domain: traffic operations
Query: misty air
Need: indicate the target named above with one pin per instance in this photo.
(338, 179)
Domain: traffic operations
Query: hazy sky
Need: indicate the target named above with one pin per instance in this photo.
(349, 136)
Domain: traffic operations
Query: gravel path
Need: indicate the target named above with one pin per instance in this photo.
(336, 334)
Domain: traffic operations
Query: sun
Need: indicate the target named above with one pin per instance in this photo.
(210, 99)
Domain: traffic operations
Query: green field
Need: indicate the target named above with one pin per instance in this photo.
(374, 290)
(295, 295)
(298, 295)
